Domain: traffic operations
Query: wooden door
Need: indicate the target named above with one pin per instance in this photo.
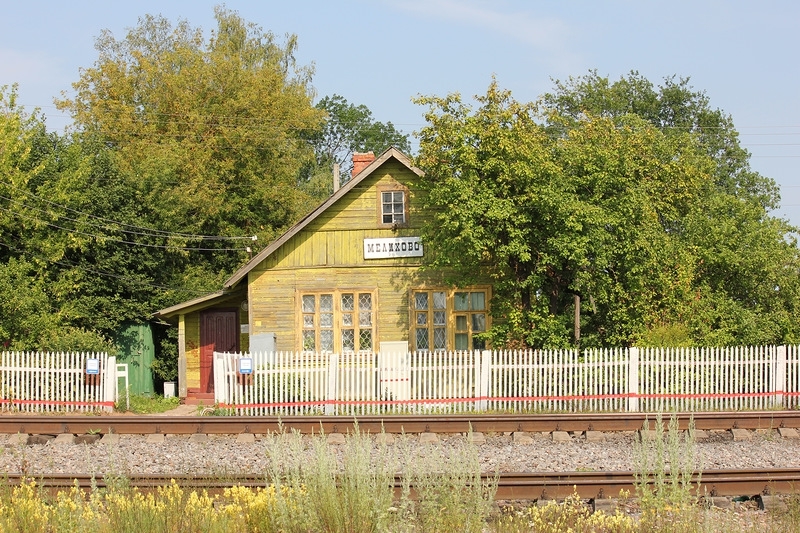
(219, 331)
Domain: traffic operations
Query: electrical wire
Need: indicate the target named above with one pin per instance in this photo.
(120, 241)
(153, 232)
(101, 273)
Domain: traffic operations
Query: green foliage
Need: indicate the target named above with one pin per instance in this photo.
(191, 122)
(676, 335)
(24, 308)
(56, 243)
(673, 107)
(637, 201)
(347, 128)
(165, 366)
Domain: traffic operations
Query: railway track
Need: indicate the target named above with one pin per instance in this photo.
(233, 425)
(523, 486)
(511, 486)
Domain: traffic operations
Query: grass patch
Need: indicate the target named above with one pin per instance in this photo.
(143, 404)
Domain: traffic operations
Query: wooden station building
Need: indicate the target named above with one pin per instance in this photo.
(345, 278)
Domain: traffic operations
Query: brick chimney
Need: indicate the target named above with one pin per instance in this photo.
(361, 161)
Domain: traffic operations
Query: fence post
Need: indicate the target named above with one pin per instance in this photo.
(110, 385)
(221, 390)
(779, 377)
(482, 386)
(633, 380)
(333, 375)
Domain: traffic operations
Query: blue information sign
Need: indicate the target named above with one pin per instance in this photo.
(92, 366)
(246, 365)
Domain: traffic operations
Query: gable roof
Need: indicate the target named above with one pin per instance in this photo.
(391, 153)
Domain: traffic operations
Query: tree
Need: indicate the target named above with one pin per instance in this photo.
(182, 149)
(349, 128)
(602, 205)
(211, 134)
(33, 314)
(673, 107)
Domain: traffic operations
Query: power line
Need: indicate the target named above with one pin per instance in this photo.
(234, 121)
(239, 119)
(102, 273)
(153, 232)
(107, 228)
(132, 243)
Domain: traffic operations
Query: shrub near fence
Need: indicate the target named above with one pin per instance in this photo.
(630, 379)
(47, 382)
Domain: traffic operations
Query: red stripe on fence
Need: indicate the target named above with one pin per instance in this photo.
(55, 402)
(511, 399)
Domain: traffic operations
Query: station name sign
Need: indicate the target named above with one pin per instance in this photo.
(392, 247)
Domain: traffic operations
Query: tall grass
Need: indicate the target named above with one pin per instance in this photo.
(450, 493)
(351, 488)
(310, 486)
(664, 463)
(319, 487)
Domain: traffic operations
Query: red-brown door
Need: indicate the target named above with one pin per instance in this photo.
(219, 331)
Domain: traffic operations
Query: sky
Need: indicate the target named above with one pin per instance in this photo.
(383, 53)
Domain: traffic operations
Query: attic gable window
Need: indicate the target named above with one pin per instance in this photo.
(393, 207)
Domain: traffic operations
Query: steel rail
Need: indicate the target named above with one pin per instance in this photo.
(462, 423)
(601, 485)
(524, 486)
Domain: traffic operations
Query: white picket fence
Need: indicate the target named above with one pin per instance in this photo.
(57, 382)
(631, 379)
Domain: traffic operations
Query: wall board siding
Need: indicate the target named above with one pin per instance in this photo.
(335, 248)
(276, 300)
(192, 321)
(335, 237)
(275, 305)
(360, 207)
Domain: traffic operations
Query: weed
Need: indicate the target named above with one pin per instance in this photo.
(450, 491)
(216, 410)
(144, 404)
(664, 466)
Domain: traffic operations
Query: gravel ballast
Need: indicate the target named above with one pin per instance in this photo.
(219, 455)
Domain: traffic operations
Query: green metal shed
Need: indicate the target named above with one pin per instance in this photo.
(137, 350)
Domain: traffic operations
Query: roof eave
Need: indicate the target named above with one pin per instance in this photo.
(198, 303)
